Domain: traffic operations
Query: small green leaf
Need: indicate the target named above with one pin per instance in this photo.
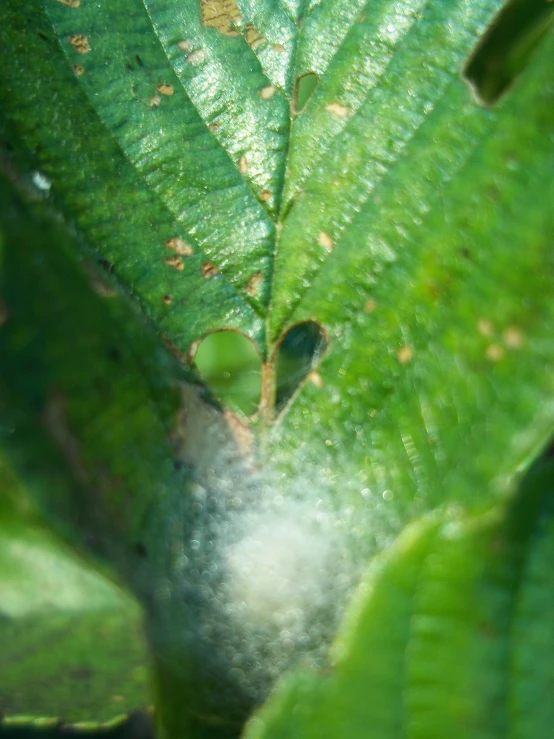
(71, 647)
(84, 667)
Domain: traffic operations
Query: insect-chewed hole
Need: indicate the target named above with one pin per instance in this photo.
(297, 354)
(303, 90)
(506, 48)
(231, 367)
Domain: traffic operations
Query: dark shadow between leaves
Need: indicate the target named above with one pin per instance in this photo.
(507, 47)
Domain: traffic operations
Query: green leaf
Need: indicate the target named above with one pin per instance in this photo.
(412, 222)
(38, 573)
(87, 667)
(70, 643)
(377, 200)
(448, 633)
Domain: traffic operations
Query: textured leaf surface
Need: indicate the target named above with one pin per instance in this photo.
(408, 220)
(441, 637)
(84, 667)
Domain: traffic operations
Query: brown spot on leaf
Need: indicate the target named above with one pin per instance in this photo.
(252, 36)
(485, 327)
(267, 92)
(80, 43)
(405, 354)
(337, 109)
(494, 352)
(164, 88)
(513, 337)
(175, 262)
(243, 165)
(325, 240)
(185, 44)
(265, 195)
(180, 246)
(70, 3)
(167, 299)
(154, 101)
(223, 15)
(254, 283)
(208, 269)
(316, 379)
(279, 47)
(370, 306)
(78, 69)
(197, 56)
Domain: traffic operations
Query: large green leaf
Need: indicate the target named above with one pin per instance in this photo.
(413, 224)
(387, 206)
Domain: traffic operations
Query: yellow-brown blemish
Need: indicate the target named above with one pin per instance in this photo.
(252, 36)
(70, 3)
(154, 101)
(179, 245)
(265, 195)
(279, 47)
(78, 69)
(197, 56)
(214, 125)
(175, 262)
(513, 337)
(494, 352)
(254, 283)
(208, 269)
(370, 306)
(223, 15)
(80, 43)
(485, 327)
(405, 354)
(167, 299)
(267, 92)
(325, 240)
(164, 88)
(243, 165)
(316, 379)
(337, 109)
(185, 44)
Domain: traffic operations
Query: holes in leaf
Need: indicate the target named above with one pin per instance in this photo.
(507, 47)
(230, 365)
(303, 90)
(299, 352)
